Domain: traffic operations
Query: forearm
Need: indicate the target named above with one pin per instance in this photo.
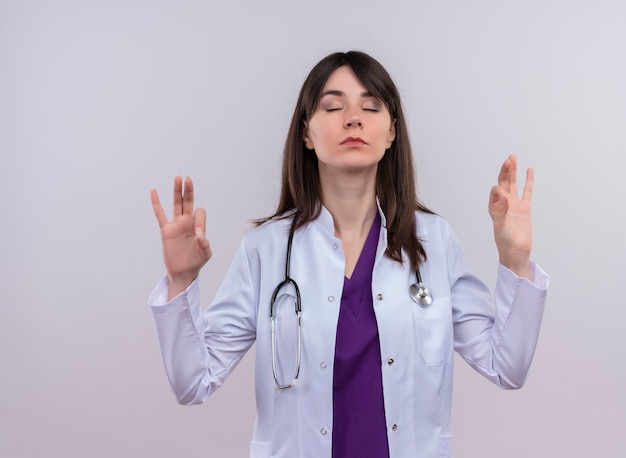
(179, 326)
(519, 311)
(505, 349)
(500, 345)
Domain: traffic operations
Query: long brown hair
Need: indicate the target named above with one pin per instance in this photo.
(395, 180)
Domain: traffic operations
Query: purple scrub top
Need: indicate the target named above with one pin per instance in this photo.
(359, 426)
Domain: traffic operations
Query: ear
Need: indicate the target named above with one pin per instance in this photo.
(391, 135)
(305, 137)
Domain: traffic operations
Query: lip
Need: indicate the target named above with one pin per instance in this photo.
(354, 141)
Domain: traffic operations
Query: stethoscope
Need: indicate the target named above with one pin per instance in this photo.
(418, 292)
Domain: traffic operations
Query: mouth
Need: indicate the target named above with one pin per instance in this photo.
(354, 141)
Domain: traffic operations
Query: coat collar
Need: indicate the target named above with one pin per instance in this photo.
(327, 224)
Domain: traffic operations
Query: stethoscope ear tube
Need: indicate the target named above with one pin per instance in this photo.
(294, 381)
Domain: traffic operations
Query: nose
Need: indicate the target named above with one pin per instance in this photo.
(353, 121)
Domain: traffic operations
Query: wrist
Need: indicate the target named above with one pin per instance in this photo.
(178, 284)
(520, 267)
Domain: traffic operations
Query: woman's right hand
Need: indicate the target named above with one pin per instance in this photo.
(185, 247)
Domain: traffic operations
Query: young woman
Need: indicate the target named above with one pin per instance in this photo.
(354, 292)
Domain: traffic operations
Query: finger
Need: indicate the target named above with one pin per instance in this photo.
(527, 194)
(158, 209)
(513, 175)
(177, 208)
(503, 176)
(188, 197)
(200, 223)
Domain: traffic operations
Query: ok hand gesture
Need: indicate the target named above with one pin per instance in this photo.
(511, 217)
(185, 247)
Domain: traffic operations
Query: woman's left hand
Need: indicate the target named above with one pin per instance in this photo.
(511, 217)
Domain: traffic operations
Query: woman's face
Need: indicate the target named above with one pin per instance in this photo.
(350, 129)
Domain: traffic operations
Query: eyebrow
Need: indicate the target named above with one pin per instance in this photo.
(341, 93)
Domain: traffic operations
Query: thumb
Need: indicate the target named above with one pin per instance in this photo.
(202, 242)
(199, 218)
(498, 205)
(204, 247)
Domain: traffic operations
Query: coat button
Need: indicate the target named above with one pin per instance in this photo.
(323, 365)
(390, 361)
(394, 428)
(335, 246)
(379, 297)
(323, 431)
(331, 298)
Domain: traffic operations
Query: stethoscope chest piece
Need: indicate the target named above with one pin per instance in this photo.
(419, 293)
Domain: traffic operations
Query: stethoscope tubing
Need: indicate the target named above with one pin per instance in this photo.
(418, 292)
(298, 308)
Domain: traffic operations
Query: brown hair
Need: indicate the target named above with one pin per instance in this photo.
(395, 180)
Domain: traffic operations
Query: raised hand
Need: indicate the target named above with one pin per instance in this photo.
(185, 247)
(511, 217)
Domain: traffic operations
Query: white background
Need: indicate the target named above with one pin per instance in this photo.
(102, 101)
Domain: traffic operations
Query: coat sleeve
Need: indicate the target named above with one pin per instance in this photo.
(199, 350)
(497, 335)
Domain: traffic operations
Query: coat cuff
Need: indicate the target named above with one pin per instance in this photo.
(159, 295)
(538, 278)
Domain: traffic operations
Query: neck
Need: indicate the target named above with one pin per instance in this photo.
(351, 200)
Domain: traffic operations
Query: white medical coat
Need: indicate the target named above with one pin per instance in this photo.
(200, 349)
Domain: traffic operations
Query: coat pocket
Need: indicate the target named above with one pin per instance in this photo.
(446, 446)
(260, 449)
(434, 331)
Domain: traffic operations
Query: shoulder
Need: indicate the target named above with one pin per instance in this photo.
(437, 236)
(431, 225)
(267, 234)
